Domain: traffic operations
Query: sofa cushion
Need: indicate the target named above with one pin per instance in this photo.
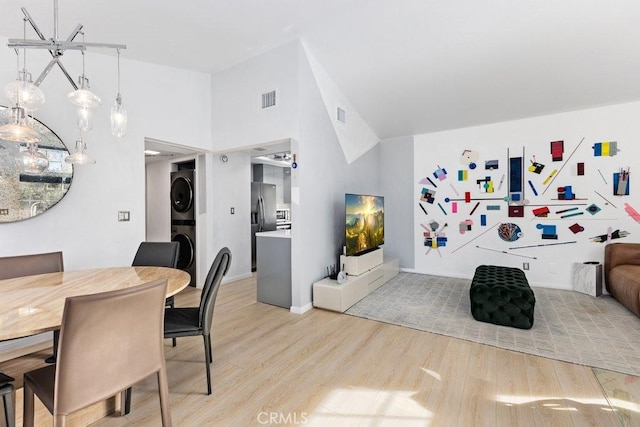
(624, 285)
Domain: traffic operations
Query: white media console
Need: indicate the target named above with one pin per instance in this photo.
(365, 274)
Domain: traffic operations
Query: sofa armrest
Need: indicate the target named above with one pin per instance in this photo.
(620, 254)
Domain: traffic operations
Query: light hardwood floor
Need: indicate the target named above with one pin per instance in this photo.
(272, 367)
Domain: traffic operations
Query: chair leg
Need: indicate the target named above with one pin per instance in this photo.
(126, 401)
(172, 303)
(163, 388)
(27, 408)
(207, 358)
(56, 338)
(9, 411)
(60, 420)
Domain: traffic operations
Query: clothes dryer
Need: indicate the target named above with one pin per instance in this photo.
(182, 196)
(186, 236)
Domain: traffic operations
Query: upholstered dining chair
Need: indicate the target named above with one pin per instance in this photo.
(154, 254)
(6, 390)
(108, 341)
(31, 265)
(158, 254)
(194, 321)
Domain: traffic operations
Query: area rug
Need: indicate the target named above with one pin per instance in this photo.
(568, 325)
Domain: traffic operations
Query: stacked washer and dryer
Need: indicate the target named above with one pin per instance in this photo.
(183, 219)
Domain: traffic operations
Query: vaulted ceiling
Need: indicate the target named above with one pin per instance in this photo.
(407, 66)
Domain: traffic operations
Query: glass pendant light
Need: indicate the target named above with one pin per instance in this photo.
(33, 161)
(16, 129)
(79, 157)
(118, 112)
(31, 97)
(84, 118)
(22, 91)
(83, 97)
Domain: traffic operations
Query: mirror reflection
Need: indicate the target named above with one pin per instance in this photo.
(27, 191)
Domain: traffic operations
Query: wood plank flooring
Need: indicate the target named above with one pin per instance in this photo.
(272, 367)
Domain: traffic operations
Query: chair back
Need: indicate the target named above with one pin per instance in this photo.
(218, 270)
(108, 341)
(157, 254)
(30, 265)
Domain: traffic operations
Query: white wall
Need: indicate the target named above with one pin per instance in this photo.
(355, 136)
(84, 224)
(158, 201)
(552, 266)
(396, 185)
(320, 182)
(236, 117)
(230, 185)
(322, 178)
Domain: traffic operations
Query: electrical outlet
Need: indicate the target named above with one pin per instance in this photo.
(525, 265)
(123, 216)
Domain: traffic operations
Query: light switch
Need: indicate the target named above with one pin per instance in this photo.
(123, 215)
(233, 211)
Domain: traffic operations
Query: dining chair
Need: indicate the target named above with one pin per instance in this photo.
(6, 390)
(158, 254)
(108, 341)
(194, 321)
(31, 265)
(155, 254)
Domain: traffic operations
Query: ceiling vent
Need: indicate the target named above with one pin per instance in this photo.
(341, 116)
(269, 99)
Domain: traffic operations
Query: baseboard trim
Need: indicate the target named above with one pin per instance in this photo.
(301, 310)
(228, 279)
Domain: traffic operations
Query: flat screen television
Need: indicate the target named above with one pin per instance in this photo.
(364, 229)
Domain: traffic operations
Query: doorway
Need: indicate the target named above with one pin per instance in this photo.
(172, 174)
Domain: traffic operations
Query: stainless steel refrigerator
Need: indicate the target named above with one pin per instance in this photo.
(263, 213)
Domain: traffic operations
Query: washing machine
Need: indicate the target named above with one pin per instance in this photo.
(182, 196)
(186, 236)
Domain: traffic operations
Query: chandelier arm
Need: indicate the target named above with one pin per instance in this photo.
(66, 74)
(33, 24)
(60, 45)
(75, 32)
(47, 70)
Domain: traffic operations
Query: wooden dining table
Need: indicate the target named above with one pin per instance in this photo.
(33, 304)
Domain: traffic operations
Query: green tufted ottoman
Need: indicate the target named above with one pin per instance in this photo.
(502, 296)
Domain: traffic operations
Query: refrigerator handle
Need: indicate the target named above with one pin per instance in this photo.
(260, 214)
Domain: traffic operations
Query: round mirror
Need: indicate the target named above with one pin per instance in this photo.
(26, 192)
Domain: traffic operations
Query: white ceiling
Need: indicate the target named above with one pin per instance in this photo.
(407, 66)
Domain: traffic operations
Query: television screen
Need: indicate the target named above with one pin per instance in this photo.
(364, 223)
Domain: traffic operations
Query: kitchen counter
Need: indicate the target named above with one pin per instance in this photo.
(282, 234)
(274, 267)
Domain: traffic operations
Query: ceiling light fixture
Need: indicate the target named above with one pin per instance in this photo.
(24, 96)
(22, 90)
(16, 128)
(118, 112)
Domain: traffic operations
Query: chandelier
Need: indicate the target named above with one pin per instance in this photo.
(26, 96)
